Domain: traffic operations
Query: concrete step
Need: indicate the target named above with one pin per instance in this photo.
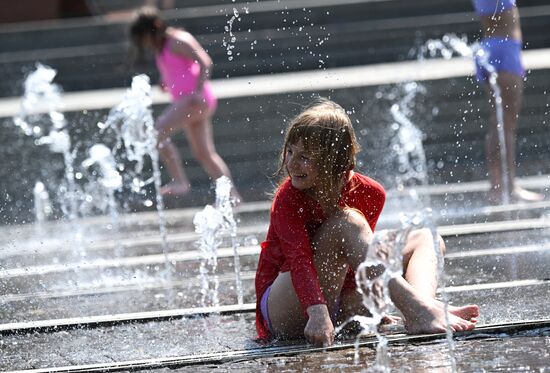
(197, 341)
(341, 41)
(253, 112)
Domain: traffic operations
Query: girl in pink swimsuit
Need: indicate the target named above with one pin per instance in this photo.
(184, 68)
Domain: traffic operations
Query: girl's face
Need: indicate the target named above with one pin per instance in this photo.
(301, 166)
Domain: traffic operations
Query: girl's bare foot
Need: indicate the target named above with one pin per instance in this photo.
(175, 189)
(390, 320)
(523, 195)
(428, 316)
(518, 195)
(469, 312)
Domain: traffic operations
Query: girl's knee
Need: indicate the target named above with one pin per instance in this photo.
(345, 221)
(423, 237)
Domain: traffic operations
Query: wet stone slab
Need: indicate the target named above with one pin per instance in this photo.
(487, 240)
(98, 274)
(50, 276)
(137, 289)
(110, 303)
(498, 268)
(500, 305)
(43, 252)
(131, 342)
(525, 352)
(221, 334)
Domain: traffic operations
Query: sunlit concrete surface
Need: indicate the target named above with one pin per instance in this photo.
(304, 81)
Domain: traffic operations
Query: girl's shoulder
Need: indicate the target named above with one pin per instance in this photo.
(176, 38)
(367, 182)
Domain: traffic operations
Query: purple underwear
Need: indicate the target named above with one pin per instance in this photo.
(265, 312)
(264, 309)
(504, 55)
(492, 7)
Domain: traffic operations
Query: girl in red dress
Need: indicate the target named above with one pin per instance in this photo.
(321, 223)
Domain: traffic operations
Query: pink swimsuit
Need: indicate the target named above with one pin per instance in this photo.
(180, 75)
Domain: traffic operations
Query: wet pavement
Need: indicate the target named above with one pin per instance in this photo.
(493, 260)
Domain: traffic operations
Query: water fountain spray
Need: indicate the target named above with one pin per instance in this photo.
(447, 46)
(208, 223)
(230, 43)
(383, 263)
(408, 161)
(212, 223)
(43, 96)
(427, 218)
(224, 204)
(108, 183)
(412, 167)
(132, 120)
(42, 206)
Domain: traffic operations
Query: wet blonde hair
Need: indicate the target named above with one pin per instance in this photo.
(327, 133)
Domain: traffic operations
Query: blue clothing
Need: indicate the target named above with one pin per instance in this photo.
(492, 7)
(504, 55)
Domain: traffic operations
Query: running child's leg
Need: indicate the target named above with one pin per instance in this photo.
(170, 157)
(200, 137)
(174, 119)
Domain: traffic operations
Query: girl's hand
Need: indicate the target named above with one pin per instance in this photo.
(319, 330)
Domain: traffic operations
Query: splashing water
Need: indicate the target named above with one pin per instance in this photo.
(43, 96)
(382, 264)
(408, 150)
(407, 159)
(224, 204)
(42, 206)
(230, 44)
(482, 56)
(102, 156)
(412, 167)
(109, 181)
(447, 46)
(212, 223)
(405, 164)
(384, 253)
(428, 221)
(133, 122)
(208, 223)
(40, 96)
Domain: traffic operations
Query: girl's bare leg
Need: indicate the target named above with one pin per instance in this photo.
(414, 293)
(511, 86)
(341, 242)
(331, 261)
(171, 159)
(174, 119)
(200, 137)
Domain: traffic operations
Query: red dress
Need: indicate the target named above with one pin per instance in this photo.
(294, 219)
